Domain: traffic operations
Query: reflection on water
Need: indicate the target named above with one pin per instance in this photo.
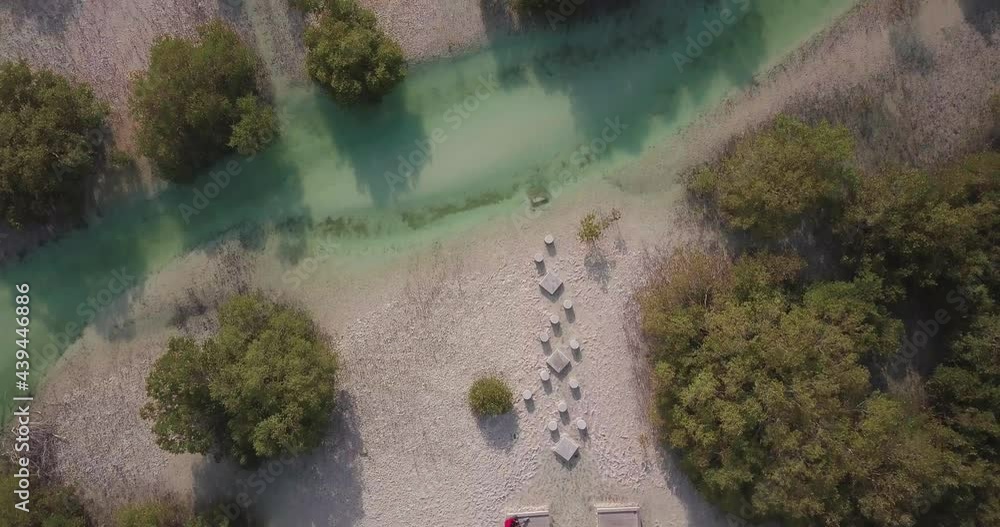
(460, 134)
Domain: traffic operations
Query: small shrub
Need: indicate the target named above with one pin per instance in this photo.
(350, 55)
(592, 225)
(490, 396)
(147, 514)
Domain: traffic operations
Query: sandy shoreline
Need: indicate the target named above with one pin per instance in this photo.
(414, 329)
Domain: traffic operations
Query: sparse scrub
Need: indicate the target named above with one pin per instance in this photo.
(147, 514)
(199, 101)
(490, 396)
(593, 225)
(263, 386)
(350, 55)
(50, 130)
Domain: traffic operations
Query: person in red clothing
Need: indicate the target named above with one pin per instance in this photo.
(512, 522)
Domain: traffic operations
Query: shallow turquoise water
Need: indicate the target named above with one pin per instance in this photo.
(552, 105)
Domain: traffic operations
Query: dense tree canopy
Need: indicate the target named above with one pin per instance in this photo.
(768, 398)
(261, 387)
(775, 179)
(198, 101)
(766, 384)
(920, 230)
(50, 134)
(350, 55)
(966, 392)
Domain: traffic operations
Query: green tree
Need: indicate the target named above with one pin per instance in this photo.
(50, 505)
(261, 387)
(50, 128)
(775, 179)
(256, 127)
(198, 101)
(350, 55)
(490, 396)
(965, 391)
(766, 394)
(919, 231)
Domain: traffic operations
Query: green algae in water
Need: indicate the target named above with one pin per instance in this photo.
(565, 105)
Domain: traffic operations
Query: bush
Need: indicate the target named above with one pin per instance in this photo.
(918, 231)
(256, 127)
(261, 387)
(198, 101)
(592, 225)
(775, 179)
(766, 394)
(51, 505)
(350, 55)
(147, 514)
(490, 396)
(49, 129)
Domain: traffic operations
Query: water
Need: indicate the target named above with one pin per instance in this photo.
(564, 105)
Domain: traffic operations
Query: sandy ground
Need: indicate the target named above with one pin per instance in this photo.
(414, 330)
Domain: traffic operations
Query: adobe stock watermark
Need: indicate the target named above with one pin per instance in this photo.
(713, 29)
(579, 158)
(220, 179)
(249, 490)
(562, 13)
(455, 116)
(928, 329)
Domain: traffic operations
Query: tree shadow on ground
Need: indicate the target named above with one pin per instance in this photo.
(984, 15)
(50, 16)
(910, 50)
(500, 432)
(699, 511)
(599, 266)
(385, 143)
(322, 488)
(639, 64)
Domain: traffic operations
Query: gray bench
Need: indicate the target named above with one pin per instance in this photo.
(618, 517)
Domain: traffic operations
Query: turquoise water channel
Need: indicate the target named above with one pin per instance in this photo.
(461, 135)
